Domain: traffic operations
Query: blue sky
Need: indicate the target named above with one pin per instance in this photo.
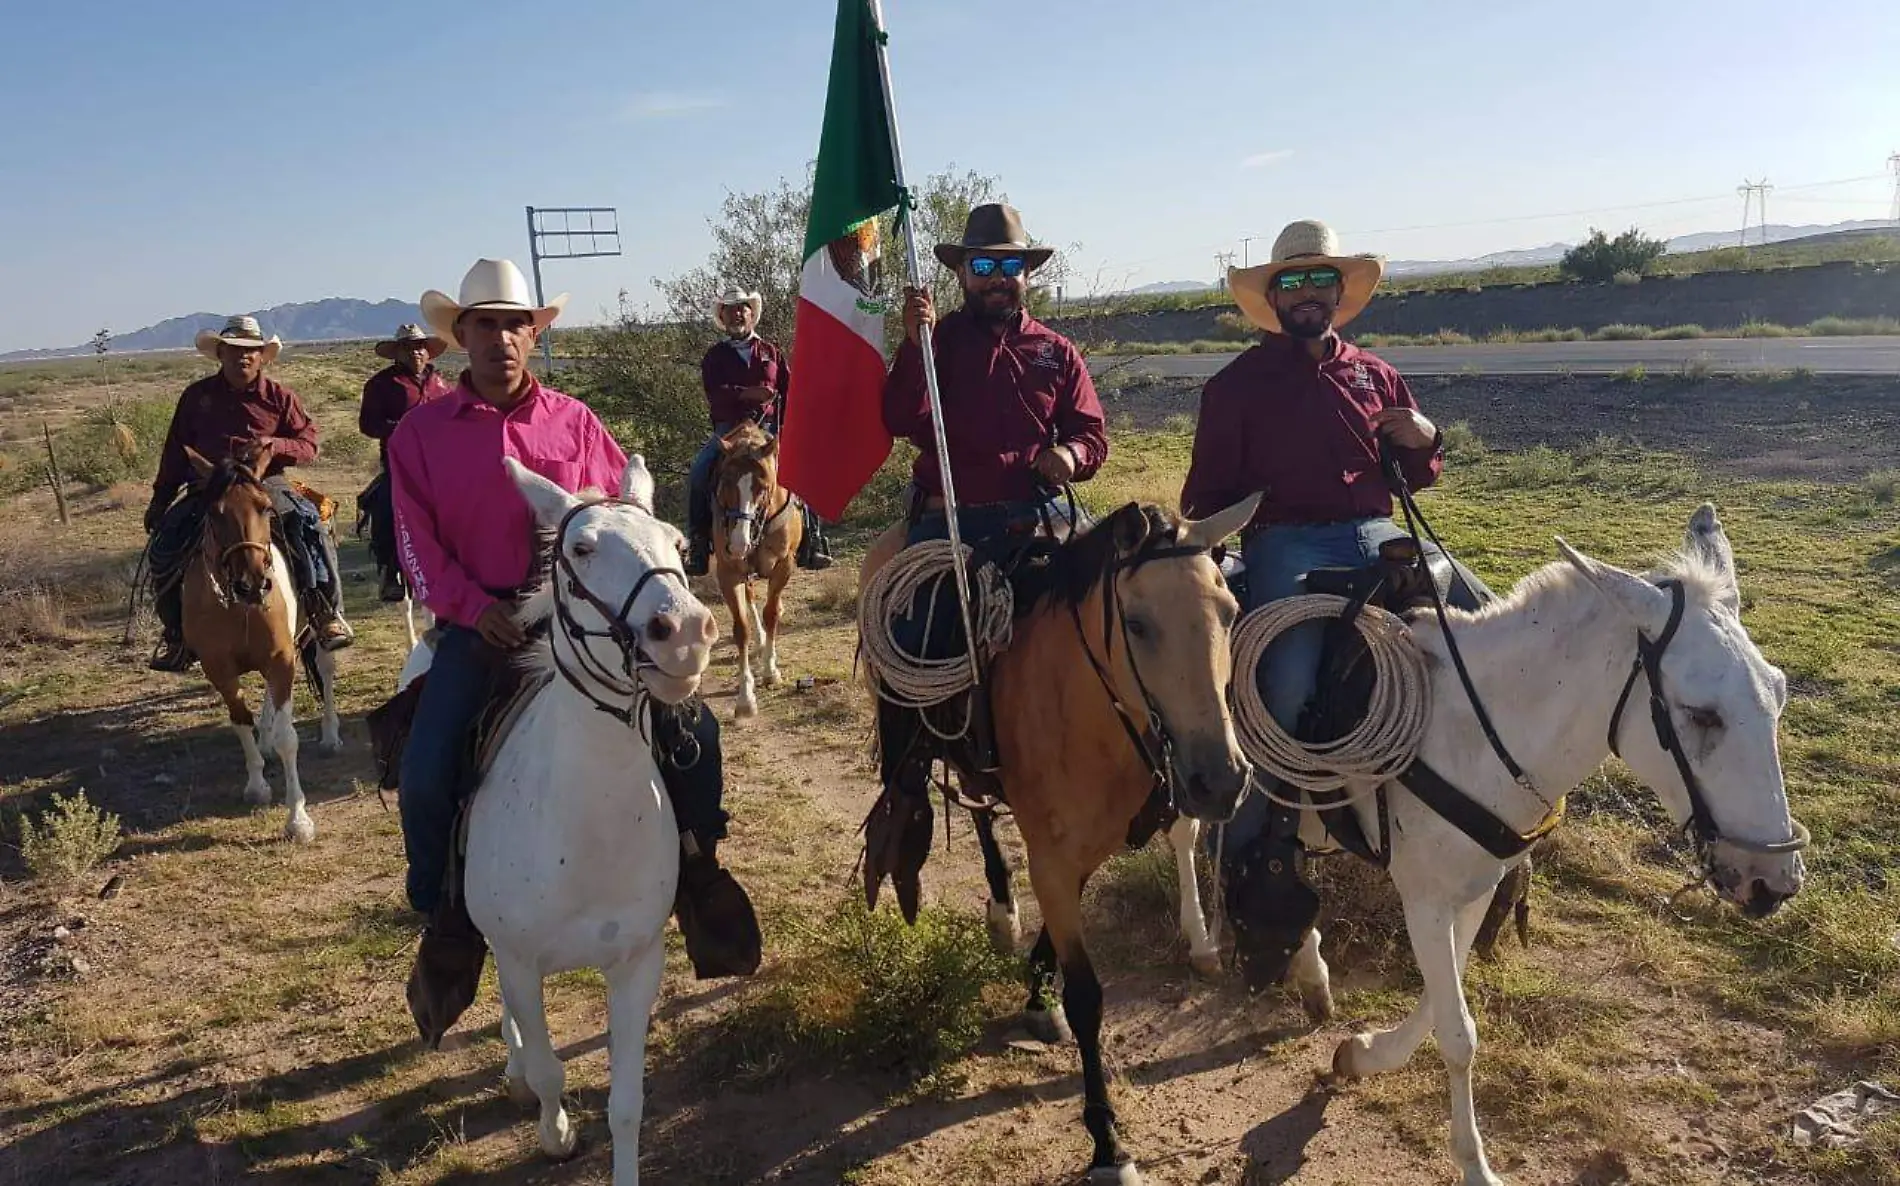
(162, 159)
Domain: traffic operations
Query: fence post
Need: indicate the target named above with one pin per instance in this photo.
(53, 477)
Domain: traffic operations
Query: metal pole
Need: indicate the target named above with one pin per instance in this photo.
(534, 261)
(1246, 251)
(925, 343)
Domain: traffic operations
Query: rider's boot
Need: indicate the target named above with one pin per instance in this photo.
(814, 553)
(171, 654)
(715, 916)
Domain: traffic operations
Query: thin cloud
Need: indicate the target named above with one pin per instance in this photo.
(1262, 159)
(668, 104)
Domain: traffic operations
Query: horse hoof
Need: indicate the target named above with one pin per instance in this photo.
(1346, 1057)
(301, 829)
(330, 747)
(772, 677)
(559, 1142)
(1005, 927)
(1124, 1174)
(257, 794)
(746, 710)
(1049, 1025)
(1318, 1004)
(1207, 963)
(521, 1093)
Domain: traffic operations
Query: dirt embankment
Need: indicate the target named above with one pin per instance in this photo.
(1823, 428)
(1715, 300)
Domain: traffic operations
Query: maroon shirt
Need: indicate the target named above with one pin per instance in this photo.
(1275, 420)
(393, 393)
(214, 419)
(1005, 399)
(725, 372)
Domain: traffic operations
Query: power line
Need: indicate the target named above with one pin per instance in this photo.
(1757, 193)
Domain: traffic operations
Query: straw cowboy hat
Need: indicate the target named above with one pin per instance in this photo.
(1307, 243)
(407, 336)
(994, 227)
(490, 284)
(239, 331)
(734, 295)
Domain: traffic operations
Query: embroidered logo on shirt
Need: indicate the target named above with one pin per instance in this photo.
(1362, 378)
(1046, 357)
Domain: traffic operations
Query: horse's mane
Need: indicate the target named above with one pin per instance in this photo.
(747, 438)
(224, 475)
(1070, 571)
(1702, 580)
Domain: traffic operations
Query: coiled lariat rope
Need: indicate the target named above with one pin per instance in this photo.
(915, 681)
(1377, 749)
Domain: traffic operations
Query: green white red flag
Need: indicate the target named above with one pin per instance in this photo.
(833, 438)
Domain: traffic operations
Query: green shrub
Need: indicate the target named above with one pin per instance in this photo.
(1882, 485)
(1622, 333)
(1235, 327)
(1680, 333)
(1601, 258)
(1696, 370)
(1462, 442)
(1627, 279)
(70, 838)
(1631, 374)
(1763, 329)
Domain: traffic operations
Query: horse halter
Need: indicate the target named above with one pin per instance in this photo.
(222, 565)
(751, 514)
(1157, 755)
(1701, 827)
(633, 656)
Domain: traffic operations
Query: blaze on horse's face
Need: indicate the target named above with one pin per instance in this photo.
(748, 473)
(614, 549)
(237, 540)
(1725, 701)
(1177, 616)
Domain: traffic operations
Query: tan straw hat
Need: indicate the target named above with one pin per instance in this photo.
(408, 336)
(1307, 243)
(239, 331)
(490, 284)
(732, 295)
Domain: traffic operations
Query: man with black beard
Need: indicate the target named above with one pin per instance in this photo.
(1301, 417)
(1023, 422)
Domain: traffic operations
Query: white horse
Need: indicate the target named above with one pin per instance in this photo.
(1557, 665)
(573, 850)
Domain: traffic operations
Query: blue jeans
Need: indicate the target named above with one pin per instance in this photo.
(435, 759)
(1277, 561)
(699, 492)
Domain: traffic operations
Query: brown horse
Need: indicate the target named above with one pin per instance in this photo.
(1114, 684)
(757, 529)
(240, 616)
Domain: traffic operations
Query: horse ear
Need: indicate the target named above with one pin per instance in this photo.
(1218, 526)
(1130, 525)
(549, 502)
(636, 484)
(255, 457)
(1707, 540)
(199, 465)
(1635, 598)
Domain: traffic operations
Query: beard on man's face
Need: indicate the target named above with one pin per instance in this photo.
(993, 300)
(1306, 320)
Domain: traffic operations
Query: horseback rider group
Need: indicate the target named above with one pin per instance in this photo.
(1302, 416)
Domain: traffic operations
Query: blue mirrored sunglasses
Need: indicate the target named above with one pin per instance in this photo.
(985, 266)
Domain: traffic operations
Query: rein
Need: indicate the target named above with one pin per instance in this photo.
(208, 536)
(1157, 755)
(633, 657)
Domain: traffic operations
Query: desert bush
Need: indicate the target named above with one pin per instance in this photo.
(69, 840)
(1680, 333)
(1600, 258)
(1235, 327)
(1627, 279)
(1620, 332)
(1462, 442)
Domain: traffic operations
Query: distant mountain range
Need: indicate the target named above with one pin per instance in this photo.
(308, 321)
(1550, 253)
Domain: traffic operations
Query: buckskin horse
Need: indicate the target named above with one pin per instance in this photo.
(241, 616)
(757, 529)
(1113, 687)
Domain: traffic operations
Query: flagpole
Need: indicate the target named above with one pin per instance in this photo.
(924, 342)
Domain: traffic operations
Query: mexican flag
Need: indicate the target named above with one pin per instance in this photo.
(833, 438)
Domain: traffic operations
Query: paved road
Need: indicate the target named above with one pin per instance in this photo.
(1840, 356)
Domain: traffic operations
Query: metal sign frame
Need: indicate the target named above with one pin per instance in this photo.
(602, 233)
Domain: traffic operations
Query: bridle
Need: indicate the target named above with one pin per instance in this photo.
(568, 585)
(1700, 828)
(750, 514)
(222, 564)
(1155, 744)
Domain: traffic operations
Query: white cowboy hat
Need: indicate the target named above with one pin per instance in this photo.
(239, 331)
(734, 295)
(407, 336)
(490, 284)
(1307, 243)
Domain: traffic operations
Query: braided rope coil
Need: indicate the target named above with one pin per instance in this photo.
(1378, 748)
(914, 681)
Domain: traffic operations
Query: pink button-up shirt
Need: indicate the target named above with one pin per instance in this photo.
(462, 528)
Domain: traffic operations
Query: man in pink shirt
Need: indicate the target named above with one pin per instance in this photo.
(469, 548)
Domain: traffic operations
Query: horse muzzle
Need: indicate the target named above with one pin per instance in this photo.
(1758, 886)
(250, 592)
(1209, 780)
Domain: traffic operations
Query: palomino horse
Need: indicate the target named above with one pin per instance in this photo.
(1115, 680)
(1580, 661)
(573, 851)
(757, 528)
(240, 616)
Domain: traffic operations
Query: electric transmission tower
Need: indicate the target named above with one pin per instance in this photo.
(1754, 196)
(1893, 162)
(1222, 261)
